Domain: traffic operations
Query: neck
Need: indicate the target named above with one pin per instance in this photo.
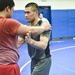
(33, 23)
(2, 13)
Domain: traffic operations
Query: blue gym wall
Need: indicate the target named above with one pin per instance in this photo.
(63, 22)
(19, 15)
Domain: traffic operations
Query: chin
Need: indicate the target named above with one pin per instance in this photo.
(28, 21)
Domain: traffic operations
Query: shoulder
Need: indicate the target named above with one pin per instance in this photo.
(12, 22)
(44, 19)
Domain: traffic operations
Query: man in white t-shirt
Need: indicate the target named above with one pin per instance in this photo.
(42, 18)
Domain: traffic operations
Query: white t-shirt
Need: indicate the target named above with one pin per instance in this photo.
(45, 20)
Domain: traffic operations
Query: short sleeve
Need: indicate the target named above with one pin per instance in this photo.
(46, 34)
(12, 26)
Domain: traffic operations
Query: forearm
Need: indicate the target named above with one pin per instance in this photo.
(38, 44)
(23, 29)
(37, 29)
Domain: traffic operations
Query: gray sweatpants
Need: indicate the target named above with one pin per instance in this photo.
(41, 67)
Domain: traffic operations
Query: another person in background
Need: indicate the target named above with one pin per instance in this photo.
(38, 45)
(43, 18)
(9, 31)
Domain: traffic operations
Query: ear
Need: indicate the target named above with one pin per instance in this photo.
(7, 9)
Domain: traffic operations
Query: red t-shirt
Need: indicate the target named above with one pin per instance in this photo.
(8, 41)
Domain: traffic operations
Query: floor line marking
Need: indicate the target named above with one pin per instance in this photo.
(24, 65)
(62, 48)
(64, 67)
(51, 51)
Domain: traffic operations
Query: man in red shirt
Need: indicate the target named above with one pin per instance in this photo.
(9, 31)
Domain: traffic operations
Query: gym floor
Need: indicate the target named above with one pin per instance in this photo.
(63, 58)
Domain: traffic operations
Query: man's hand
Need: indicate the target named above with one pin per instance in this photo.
(47, 26)
(28, 38)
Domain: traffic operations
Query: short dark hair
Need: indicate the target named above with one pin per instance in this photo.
(5, 3)
(33, 5)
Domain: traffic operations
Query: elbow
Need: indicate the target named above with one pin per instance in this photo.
(18, 45)
(44, 47)
(20, 42)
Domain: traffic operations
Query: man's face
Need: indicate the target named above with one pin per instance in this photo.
(30, 14)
